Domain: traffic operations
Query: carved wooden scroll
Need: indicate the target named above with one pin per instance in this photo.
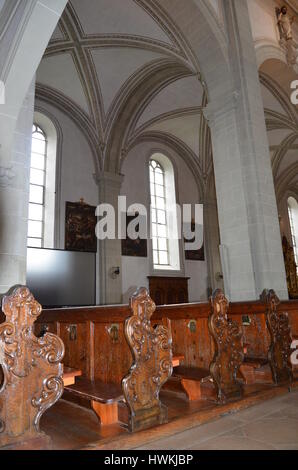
(228, 355)
(152, 366)
(31, 372)
(280, 333)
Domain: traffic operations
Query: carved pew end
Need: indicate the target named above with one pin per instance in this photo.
(143, 419)
(280, 333)
(228, 356)
(32, 373)
(233, 394)
(152, 365)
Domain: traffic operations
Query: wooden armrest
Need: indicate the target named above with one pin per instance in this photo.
(96, 391)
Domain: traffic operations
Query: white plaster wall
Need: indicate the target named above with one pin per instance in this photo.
(136, 187)
(56, 71)
(76, 169)
(131, 18)
(263, 20)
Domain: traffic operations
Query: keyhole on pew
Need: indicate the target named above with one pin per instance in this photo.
(72, 330)
(113, 331)
(192, 325)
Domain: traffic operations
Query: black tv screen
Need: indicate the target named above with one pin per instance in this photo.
(59, 278)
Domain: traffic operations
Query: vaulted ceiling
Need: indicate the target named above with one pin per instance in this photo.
(282, 124)
(100, 53)
(123, 71)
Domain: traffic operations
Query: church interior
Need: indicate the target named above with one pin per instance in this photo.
(122, 115)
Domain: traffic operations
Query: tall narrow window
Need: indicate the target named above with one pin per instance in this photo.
(37, 188)
(164, 216)
(159, 215)
(293, 218)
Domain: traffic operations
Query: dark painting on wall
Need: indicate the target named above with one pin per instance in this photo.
(80, 223)
(138, 247)
(194, 255)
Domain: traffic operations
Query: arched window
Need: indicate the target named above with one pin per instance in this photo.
(165, 243)
(37, 188)
(158, 214)
(42, 196)
(293, 219)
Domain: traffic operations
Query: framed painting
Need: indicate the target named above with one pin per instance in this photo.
(80, 223)
(138, 247)
(194, 255)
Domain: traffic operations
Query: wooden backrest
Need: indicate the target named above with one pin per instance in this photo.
(228, 355)
(152, 363)
(95, 342)
(32, 370)
(280, 333)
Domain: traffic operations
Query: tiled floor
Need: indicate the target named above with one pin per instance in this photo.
(268, 426)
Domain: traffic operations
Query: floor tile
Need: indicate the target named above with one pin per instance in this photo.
(268, 426)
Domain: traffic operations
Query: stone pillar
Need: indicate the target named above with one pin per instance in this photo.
(109, 285)
(251, 249)
(212, 243)
(14, 195)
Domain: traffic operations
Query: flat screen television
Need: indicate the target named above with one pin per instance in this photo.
(59, 278)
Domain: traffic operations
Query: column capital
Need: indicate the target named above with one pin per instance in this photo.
(113, 180)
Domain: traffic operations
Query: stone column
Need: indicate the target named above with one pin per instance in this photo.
(212, 243)
(109, 285)
(251, 249)
(14, 195)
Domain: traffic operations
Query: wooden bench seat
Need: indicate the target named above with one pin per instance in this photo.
(69, 375)
(195, 382)
(103, 397)
(191, 373)
(256, 370)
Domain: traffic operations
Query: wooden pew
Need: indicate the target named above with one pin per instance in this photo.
(31, 373)
(96, 344)
(103, 397)
(228, 356)
(279, 353)
(275, 367)
(93, 334)
(218, 381)
(152, 365)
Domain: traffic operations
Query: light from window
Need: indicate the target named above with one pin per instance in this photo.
(293, 218)
(158, 215)
(37, 188)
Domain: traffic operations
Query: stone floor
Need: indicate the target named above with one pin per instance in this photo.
(272, 425)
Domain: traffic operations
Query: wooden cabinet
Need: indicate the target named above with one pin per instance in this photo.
(168, 290)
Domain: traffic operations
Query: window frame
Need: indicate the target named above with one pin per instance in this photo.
(37, 129)
(153, 171)
(293, 231)
(176, 258)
